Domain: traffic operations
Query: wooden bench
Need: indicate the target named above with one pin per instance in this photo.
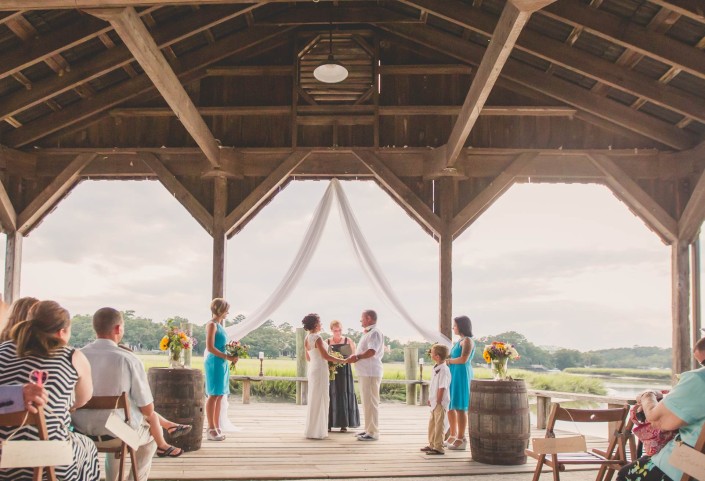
(247, 383)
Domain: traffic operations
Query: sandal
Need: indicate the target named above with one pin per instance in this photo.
(170, 452)
(343, 430)
(178, 430)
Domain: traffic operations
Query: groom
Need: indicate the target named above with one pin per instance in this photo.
(368, 359)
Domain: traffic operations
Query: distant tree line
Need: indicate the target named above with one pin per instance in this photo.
(275, 341)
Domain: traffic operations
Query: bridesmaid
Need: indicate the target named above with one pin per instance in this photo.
(343, 412)
(461, 374)
(216, 367)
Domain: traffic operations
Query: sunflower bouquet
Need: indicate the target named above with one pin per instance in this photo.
(175, 341)
(497, 354)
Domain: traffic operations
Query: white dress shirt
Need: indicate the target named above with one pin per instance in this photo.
(371, 366)
(114, 371)
(440, 379)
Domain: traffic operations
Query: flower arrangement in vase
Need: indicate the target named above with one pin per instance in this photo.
(497, 355)
(175, 341)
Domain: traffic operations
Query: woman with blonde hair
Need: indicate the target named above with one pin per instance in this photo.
(216, 367)
(18, 312)
(38, 351)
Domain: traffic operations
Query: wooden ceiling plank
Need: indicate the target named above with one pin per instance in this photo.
(191, 67)
(181, 193)
(145, 50)
(263, 191)
(52, 193)
(118, 57)
(511, 22)
(551, 86)
(9, 5)
(490, 194)
(407, 198)
(629, 35)
(693, 9)
(694, 213)
(325, 15)
(640, 202)
(546, 48)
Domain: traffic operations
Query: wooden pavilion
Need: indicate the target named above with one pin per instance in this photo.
(447, 103)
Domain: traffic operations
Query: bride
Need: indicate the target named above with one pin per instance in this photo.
(318, 375)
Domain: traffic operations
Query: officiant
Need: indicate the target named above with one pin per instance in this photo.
(343, 412)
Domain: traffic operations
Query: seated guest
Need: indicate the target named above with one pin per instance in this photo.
(18, 398)
(38, 350)
(115, 371)
(683, 410)
(18, 312)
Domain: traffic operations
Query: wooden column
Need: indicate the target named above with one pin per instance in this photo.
(680, 306)
(13, 266)
(695, 289)
(220, 197)
(445, 254)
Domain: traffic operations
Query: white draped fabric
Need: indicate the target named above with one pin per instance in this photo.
(303, 257)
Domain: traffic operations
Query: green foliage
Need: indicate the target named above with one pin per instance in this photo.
(637, 357)
(562, 383)
(565, 358)
(658, 374)
(530, 354)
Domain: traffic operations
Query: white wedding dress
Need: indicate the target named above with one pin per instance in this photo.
(318, 397)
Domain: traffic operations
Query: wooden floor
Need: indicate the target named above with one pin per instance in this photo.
(271, 446)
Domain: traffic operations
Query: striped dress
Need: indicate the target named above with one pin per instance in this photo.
(59, 385)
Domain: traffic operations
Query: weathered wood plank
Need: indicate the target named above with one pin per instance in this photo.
(13, 266)
(680, 307)
(694, 212)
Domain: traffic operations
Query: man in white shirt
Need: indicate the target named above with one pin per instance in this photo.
(368, 365)
(116, 370)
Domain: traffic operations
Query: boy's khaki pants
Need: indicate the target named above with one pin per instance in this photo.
(435, 428)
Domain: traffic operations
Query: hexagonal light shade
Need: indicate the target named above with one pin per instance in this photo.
(330, 72)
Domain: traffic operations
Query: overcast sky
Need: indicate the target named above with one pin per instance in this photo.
(566, 265)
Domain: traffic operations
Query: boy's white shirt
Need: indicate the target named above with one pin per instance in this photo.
(440, 378)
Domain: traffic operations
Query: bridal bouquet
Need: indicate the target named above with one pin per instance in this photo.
(333, 366)
(234, 348)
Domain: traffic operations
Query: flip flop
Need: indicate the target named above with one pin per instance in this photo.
(426, 449)
(170, 452)
(433, 452)
(178, 430)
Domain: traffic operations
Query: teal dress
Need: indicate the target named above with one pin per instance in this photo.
(460, 377)
(216, 369)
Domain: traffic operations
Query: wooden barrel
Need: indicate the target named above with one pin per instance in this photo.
(499, 421)
(179, 397)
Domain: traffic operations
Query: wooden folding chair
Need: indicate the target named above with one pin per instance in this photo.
(116, 446)
(19, 418)
(557, 460)
(689, 473)
(626, 449)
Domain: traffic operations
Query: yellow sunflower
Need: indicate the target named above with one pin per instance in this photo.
(164, 343)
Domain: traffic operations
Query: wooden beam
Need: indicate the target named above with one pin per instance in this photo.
(551, 86)
(680, 307)
(263, 191)
(191, 67)
(181, 193)
(472, 211)
(510, 25)
(401, 193)
(337, 15)
(431, 69)
(145, 50)
(544, 47)
(641, 203)
(694, 213)
(9, 5)
(13, 266)
(118, 57)
(692, 9)
(220, 205)
(629, 35)
(8, 216)
(446, 186)
(695, 297)
(52, 193)
(251, 71)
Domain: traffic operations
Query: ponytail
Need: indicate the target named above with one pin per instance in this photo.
(37, 335)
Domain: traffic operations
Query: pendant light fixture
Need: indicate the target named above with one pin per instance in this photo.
(331, 71)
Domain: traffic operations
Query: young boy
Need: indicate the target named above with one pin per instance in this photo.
(439, 399)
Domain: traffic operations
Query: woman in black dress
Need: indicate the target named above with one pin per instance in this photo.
(343, 412)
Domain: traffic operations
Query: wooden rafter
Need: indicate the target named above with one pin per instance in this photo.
(8, 216)
(145, 50)
(181, 193)
(490, 194)
(514, 16)
(629, 35)
(52, 193)
(118, 57)
(551, 86)
(263, 191)
(191, 67)
(9, 5)
(640, 202)
(694, 213)
(325, 15)
(403, 195)
(614, 75)
(693, 9)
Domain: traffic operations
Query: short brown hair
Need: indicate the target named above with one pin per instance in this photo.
(105, 319)
(334, 324)
(310, 321)
(441, 350)
(219, 306)
(371, 314)
(36, 336)
(19, 312)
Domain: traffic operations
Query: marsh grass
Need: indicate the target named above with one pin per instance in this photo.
(650, 374)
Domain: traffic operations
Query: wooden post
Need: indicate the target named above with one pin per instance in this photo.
(301, 387)
(612, 425)
(13, 266)
(695, 289)
(246, 390)
(680, 307)
(220, 199)
(445, 254)
(543, 407)
(411, 360)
